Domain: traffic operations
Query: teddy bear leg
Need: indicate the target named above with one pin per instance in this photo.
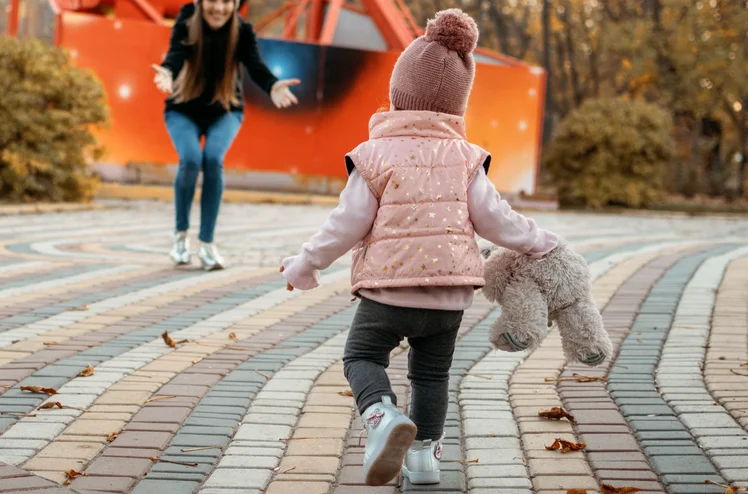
(523, 320)
(583, 336)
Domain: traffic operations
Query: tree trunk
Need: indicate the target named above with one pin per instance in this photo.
(549, 107)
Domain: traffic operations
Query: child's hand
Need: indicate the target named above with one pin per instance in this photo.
(288, 285)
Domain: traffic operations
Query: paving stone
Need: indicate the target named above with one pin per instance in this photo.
(682, 465)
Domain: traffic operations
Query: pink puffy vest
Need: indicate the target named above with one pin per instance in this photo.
(419, 165)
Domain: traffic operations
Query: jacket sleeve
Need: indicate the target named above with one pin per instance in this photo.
(347, 225)
(250, 58)
(178, 51)
(494, 220)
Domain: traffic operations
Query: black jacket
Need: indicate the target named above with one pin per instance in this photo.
(247, 54)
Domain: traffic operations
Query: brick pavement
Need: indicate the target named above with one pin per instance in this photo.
(255, 401)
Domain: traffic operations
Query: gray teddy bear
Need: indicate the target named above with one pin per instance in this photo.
(533, 293)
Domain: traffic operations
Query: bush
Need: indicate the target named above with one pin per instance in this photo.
(611, 152)
(48, 108)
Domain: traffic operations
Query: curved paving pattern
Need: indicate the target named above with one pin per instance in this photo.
(255, 401)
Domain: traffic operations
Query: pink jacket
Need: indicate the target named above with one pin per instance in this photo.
(361, 206)
(418, 165)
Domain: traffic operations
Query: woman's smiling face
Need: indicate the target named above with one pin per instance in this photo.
(217, 12)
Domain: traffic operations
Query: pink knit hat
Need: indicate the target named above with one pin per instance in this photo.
(436, 72)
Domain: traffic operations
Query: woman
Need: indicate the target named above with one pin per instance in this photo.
(202, 77)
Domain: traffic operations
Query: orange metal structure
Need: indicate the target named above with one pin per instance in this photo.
(342, 51)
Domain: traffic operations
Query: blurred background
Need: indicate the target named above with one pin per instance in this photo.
(583, 103)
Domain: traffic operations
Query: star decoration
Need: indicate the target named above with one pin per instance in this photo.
(407, 246)
(435, 260)
(423, 267)
(432, 215)
(397, 185)
(384, 269)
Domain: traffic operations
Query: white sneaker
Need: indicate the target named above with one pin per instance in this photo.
(390, 433)
(421, 466)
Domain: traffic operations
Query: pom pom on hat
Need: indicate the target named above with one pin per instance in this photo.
(454, 29)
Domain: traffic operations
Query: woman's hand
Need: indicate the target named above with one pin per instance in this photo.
(281, 94)
(163, 79)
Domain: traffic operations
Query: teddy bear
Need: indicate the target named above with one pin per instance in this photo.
(534, 293)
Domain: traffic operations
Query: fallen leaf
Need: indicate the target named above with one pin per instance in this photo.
(262, 374)
(556, 413)
(232, 337)
(157, 398)
(565, 446)
(81, 308)
(729, 489)
(576, 491)
(204, 448)
(71, 474)
(723, 358)
(14, 414)
(608, 489)
(88, 371)
(14, 342)
(580, 378)
(39, 390)
(111, 437)
(49, 405)
(156, 458)
(288, 469)
(347, 392)
(488, 378)
(465, 462)
(57, 404)
(169, 341)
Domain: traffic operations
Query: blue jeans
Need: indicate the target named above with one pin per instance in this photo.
(185, 133)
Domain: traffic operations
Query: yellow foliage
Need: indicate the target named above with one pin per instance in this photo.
(47, 110)
(611, 152)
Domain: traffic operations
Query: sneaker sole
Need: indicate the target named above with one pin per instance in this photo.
(422, 478)
(388, 463)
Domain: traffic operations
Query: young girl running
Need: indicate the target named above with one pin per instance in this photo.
(416, 195)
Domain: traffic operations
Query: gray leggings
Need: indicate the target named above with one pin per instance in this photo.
(376, 330)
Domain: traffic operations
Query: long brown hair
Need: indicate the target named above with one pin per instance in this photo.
(190, 82)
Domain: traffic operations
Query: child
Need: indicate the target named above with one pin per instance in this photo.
(417, 193)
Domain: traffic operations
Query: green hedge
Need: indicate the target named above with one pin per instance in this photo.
(610, 152)
(48, 108)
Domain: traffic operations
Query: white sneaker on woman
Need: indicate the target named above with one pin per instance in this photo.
(210, 259)
(421, 466)
(390, 434)
(180, 251)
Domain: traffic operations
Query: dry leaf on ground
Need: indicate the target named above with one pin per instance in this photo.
(576, 491)
(158, 398)
(156, 458)
(53, 404)
(88, 371)
(556, 413)
(49, 405)
(170, 342)
(347, 392)
(565, 446)
(609, 489)
(262, 374)
(111, 437)
(729, 489)
(232, 337)
(81, 308)
(39, 390)
(580, 378)
(71, 474)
